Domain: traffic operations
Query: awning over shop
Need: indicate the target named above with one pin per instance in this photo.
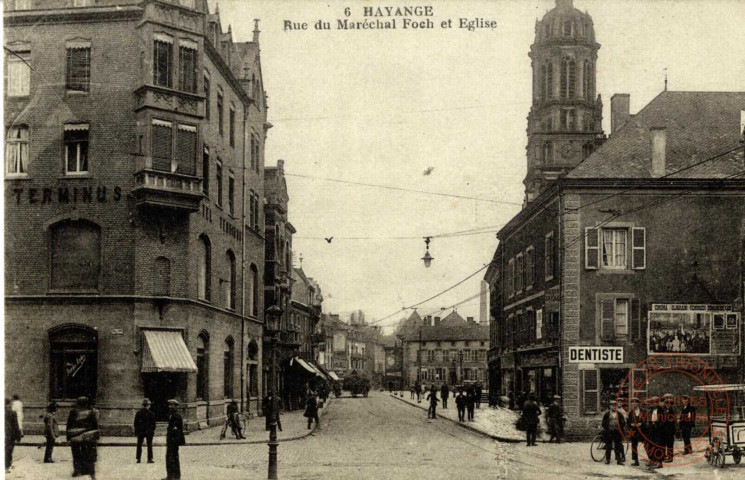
(321, 371)
(334, 376)
(305, 365)
(165, 351)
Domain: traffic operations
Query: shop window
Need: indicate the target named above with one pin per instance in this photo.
(204, 267)
(162, 277)
(78, 77)
(76, 148)
(76, 255)
(589, 392)
(187, 59)
(16, 151)
(73, 362)
(162, 60)
(18, 73)
(614, 385)
(202, 367)
(228, 368)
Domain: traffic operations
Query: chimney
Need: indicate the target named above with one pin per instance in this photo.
(256, 30)
(437, 321)
(619, 111)
(659, 149)
(469, 320)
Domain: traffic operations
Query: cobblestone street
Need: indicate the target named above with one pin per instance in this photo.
(365, 438)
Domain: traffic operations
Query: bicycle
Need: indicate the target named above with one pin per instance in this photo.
(597, 448)
(240, 418)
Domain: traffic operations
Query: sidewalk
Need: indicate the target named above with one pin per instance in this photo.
(294, 426)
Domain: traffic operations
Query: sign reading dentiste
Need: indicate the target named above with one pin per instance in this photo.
(595, 354)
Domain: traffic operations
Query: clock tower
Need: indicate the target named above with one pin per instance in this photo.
(565, 119)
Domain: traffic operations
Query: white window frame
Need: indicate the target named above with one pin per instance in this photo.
(615, 250)
(77, 171)
(624, 315)
(14, 150)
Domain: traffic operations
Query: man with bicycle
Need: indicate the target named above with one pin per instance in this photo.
(613, 424)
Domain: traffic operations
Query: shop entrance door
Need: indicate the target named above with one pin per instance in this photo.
(159, 388)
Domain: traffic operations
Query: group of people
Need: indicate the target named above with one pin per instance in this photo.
(530, 412)
(654, 429)
(675, 341)
(466, 400)
(144, 428)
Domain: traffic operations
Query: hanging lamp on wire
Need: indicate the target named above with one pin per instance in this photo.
(427, 258)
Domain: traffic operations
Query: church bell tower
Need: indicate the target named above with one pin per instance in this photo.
(565, 119)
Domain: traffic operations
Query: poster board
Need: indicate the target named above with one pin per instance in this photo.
(694, 329)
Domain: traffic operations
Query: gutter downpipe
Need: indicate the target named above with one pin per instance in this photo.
(243, 262)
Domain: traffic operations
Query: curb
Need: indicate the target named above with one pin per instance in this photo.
(466, 426)
(193, 444)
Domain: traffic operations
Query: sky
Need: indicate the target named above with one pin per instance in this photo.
(382, 106)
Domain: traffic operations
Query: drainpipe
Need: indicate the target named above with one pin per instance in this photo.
(243, 261)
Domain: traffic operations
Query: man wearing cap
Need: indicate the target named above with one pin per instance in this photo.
(687, 422)
(634, 423)
(668, 427)
(555, 420)
(51, 431)
(174, 439)
(144, 430)
(531, 412)
(652, 435)
(613, 425)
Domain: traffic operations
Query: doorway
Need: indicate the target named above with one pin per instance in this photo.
(161, 387)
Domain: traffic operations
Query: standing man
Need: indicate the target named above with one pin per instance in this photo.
(479, 391)
(12, 433)
(444, 394)
(613, 425)
(51, 431)
(555, 420)
(311, 409)
(460, 404)
(144, 430)
(634, 423)
(531, 412)
(174, 439)
(83, 434)
(17, 406)
(234, 420)
(470, 402)
(653, 447)
(670, 421)
(432, 397)
(687, 422)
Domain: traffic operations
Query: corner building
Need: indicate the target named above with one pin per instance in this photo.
(133, 184)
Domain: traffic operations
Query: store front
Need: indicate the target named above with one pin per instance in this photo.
(540, 375)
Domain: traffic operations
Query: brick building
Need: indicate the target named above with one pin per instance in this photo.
(134, 175)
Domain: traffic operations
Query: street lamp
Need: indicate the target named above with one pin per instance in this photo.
(427, 258)
(273, 315)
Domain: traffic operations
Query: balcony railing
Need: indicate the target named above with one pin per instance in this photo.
(176, 191)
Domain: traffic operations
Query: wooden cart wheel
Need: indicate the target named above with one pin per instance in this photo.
(719, 459)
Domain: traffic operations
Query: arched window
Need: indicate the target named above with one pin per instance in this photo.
(203, 345)
(76, 255)
(253, 376)
(204, 275)
(547, 80)
(567, 29)
(587, 150)
(548, 153)
(73, 361)
(254, 290)
(162, 277)
(227, 363)
(588, 77)
(544, 88)
(568, 77)
(231, 281)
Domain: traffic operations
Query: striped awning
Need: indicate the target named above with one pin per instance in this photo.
(305, 365)
(334, 375)
(165, 351)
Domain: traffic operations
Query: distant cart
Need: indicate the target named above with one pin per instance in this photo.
(726, 432)
(357, 384)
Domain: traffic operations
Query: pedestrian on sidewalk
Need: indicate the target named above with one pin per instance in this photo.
(555, 420)
(311, 409)
(419, 391)
(17, 406)
(460, 404)
(668, 426)
(470, 402)
(613, 425)
(266, 407)
(530, 413)
(145, 430)
(51, 431)
(174, 439)
(653, 441)
(233, 420)
(479, 391)
(634, 424)
(687, 421)
(12, 433)
(432, 397)
(82, 433)
(444, 394)
(413, 390)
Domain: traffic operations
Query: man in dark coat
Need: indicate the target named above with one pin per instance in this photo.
(687, 421)
(555, 420)
(668, 427)
(634, 424)
(174, 439)
(432, 397)
(311, 409)
(266, 406)
(479, 390)
(233, 420)
(82, 433)
(470, 402)
(460, 404)
(652, 437)
(418, 389)
(51, 431)
(613, 425)
(12, 434)
(444, 394)
(531, 412)
(144, 430)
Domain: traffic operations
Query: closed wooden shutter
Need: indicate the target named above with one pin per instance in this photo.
(589, 391)
(635, 320)
(639, 248)
(592, 248)
(161, 146)
(607, 314)
(186, 150)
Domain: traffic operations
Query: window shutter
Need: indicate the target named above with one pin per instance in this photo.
(590, 391)
(635, 319)
(186, 151)
(639, 248)
(592, 248)
(161, 150)
(607, 314)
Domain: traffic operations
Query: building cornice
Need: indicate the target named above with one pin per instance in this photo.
(73, 15)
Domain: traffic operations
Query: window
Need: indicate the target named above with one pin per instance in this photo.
(78, 67)
(587, 80)
(206, 172)
(547, 80)
(18, 74)
(529, 267)
(251, 220)
(187, 60)
(510, 278)
(16, 151)
(231, 125)
(231, 195)
(638, 248)
(186, 149)
(539, 325)
(230, 283)
(548, 153)
(162, 277)
(589, 392)
(544, 85)
(519, 266)
(567, 30)
(257, 206)
(568, 119)
(568, 78)
(202, 367)
(206, 82)
(430, 356)
(446, 355)
(73, 362)
(218, 178)
(255, 152)
(162, 60)
(622, 318)
(75, 255)
(614, 246)
(549, 256)
(204, 273)
(227, 368)
(619, 318)
(587, 148)
(219, 111)
(466, 355)
(254, 290)
(76, 148)
(162, 144)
